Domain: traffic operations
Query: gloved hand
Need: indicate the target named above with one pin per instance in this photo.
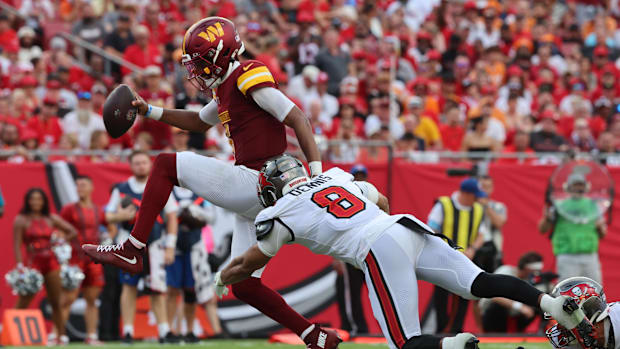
(221, 290)
(460, 341)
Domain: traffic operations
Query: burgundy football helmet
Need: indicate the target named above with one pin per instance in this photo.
(210, 47)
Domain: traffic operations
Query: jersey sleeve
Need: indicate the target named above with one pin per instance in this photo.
(254, 75)
(435, 217)
(274, 240)
(208, 113)
(368, 190)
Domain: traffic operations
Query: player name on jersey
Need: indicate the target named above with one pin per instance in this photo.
(315, 183)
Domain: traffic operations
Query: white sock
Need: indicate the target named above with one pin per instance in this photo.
(93, 336)
(306, 332)
(137, 244)
(163, 329)
(128, 330)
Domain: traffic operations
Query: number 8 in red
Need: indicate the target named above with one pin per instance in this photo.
(340, 202)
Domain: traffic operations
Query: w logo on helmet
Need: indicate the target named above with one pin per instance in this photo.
(213, 32)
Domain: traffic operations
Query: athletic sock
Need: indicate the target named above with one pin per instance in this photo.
(163, 329)
(127, 330)
(253, 292)
(162, 179)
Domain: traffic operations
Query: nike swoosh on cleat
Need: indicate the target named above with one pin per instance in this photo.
(130, 261)
(247, 67)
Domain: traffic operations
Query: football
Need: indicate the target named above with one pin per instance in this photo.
(118, 113)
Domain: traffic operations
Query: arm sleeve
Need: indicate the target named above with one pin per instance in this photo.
(368, 190)
(273, 101)
(115, 200)
(278, 236)
(208, 113)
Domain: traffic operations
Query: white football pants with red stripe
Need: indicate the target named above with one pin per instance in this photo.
(393, 266)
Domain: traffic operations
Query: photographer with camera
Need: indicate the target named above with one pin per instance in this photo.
(501, 315)
(576, 226)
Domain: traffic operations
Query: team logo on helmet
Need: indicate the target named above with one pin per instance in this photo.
(213, 32)
(264, 182)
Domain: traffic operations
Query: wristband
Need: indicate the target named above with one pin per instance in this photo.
(516, 306)
(316, 168)
(154, 112)
(171, 240)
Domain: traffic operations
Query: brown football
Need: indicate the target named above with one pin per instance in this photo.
(118, 113)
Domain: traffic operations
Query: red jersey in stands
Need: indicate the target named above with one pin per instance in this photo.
(255, 135)
(48, 130)
(86, 221)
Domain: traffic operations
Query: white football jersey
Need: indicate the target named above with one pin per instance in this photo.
(330, 215)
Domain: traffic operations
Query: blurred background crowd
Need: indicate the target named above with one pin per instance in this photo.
(515, 76)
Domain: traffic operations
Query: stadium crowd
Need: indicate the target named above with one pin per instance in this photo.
(509, 76)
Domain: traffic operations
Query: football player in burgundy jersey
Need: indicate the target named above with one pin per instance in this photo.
(254, 113)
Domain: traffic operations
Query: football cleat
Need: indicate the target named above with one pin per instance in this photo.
(320, 338)
(564, 310)
(124, 256)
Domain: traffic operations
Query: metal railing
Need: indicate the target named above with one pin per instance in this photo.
(109, 57)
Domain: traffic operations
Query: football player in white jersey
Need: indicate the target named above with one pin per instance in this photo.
(333, 215)
(605, 317)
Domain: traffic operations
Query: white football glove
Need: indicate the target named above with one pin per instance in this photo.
(459, 341)
(221, 290)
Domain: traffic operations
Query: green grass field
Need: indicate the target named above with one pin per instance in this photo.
(262, 344)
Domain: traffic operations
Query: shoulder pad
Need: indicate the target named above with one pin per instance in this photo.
(263, 229)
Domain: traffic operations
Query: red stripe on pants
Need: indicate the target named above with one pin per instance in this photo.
(389, 311)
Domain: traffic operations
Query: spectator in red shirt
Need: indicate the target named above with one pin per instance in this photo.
(46, 125)
(452, 131)
(520, 144)
(144, 52)
(156, 24)
(8, 37)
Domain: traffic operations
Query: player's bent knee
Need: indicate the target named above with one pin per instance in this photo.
(425, 341)
(189, 296)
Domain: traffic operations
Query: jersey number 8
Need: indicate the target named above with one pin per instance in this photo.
(340, 202)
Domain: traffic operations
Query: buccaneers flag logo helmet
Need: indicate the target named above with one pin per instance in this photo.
(210, 47)
(278, 176)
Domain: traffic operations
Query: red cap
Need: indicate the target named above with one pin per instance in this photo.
(548, 114)
(359, 54)
(305, 17)
(609, 68)
(423, 34)
(28, 134)
(470, 5)
(347, 100)
(322, 77)
(433, 55)
(514, 70)
(28, 81)
(48, 99)
(601, 51)
(53, 84)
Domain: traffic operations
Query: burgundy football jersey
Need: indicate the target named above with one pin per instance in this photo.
(254, 134)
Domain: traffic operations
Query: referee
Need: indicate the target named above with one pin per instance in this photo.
(458, 217)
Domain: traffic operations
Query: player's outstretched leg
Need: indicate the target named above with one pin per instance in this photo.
(267, 301)
(128, 256)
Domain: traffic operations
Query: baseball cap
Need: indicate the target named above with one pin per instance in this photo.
(359, 168)
(575, 178)
(84, 95)
(470, 185)
(152, 70)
